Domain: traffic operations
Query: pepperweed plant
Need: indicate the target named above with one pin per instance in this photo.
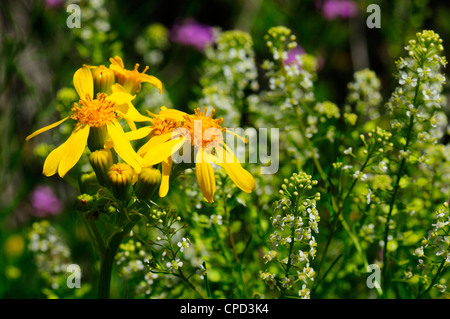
(173, 211)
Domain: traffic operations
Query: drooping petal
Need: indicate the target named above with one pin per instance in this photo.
(83, 82)
(73, 150)
(241, 177)
(123, 147)
(166, 168)
(46, 128)
(205, 177)
(53, 159)
(153, 80)
(154, 141)
(160, 152)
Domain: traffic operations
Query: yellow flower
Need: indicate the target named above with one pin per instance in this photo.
(131, 79)
(160, 133)
(94, 117)
(205, 137)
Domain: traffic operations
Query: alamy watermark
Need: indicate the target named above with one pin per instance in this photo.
(374, 279)
(74, 279)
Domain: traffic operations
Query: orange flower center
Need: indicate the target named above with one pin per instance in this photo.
(95, 113)
(204, 130)
(162, 125)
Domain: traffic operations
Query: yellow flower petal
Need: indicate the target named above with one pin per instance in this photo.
(53, 159)
(166, 168)
(172, 114)
(123, 147)
(205, 177)
(154, 141)
(162, 151)
(73, 150)
(117, 61)
(83, 82)
(46, 128)
(242, 178)
(138, 134)
(153, 80)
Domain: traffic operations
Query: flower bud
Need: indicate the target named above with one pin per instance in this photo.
(103, 79)
(101, 161)
(120, 178)
(97, 138)
(88, 183)
(148, 182)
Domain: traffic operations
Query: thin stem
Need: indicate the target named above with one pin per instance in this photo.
(227, 217)
(338, 214)
(396, 188)
(108, 259)
(288, 267)
(189, 284)
(435, 278)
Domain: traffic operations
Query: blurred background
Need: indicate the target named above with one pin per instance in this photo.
(39, 54)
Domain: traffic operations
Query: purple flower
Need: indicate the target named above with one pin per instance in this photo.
(192, 33)
(333, 9)
(44, 202)
(54, 3)
(292, 55)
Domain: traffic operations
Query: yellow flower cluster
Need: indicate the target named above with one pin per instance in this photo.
(105, 98)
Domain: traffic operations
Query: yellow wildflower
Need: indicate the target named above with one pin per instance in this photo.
(99, 116)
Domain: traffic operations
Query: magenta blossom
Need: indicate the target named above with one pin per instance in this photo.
(54, 3)
(292, 55)
(334, 9)
(192, 33)
(44, 202)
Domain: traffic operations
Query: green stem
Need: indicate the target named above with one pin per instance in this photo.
(435, 278)
(396, 188)
(338, 216)
(108, 259)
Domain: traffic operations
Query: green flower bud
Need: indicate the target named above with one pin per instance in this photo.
(148, 182)
(97, 138)
(88, 183)
(120, 178)
(103, 80)
(101, 161)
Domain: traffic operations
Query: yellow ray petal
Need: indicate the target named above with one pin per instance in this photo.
(117, 60)
(83, 82)
(205, 177)
(46, 128)
(123, 147)
(153, 141)
(53, 159)
(172, 114)
(242, 178)
(138, 134)
(73, 150)
(166, 168)
(162, 151)
(153, 80)
(120, 97)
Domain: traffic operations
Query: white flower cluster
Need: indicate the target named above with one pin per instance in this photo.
(434, 251)
(292, 243)
(364, 94)
(420, 81)
(228, 71)
(290, 80)
(51, 253)
(131, 258)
